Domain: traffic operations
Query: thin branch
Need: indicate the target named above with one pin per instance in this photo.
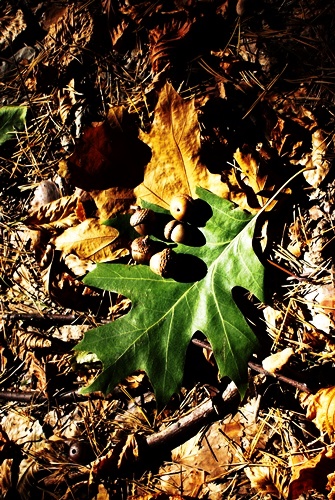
(213, 409)
(258, 368)
(65, 319)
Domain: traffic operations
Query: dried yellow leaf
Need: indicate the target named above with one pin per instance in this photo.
(53, 212)
(92, 240)
(175, 166)
(321, 409)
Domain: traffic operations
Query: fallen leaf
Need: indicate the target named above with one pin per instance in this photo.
(331, 486)
(11, 26)
(276, 361)
(12, 119)
(70, 27)
(251, 175)
(92, 240)
(108, 154)
(165, 312)
(265, 480)
(174, 139)
(312, 474)
(113, 201)
(256, 186)
(166, 40)
(52, 213)
(321, 409)
(79, 267)
(176, 477)
(316, 159)
(22, 428)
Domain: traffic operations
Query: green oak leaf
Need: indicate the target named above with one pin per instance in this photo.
(165, 313)
(12, 118)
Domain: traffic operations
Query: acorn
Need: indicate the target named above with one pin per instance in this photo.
(182, 207)
(143, 220)
(80, 452)
(163, 263)
(142, 249)
(176, 231)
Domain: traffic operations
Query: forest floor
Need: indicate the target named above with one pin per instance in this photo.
(107, 105)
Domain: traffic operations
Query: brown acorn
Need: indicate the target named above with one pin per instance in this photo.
(143, 220)
(80, 452)
(182, 207)
(142, 249)
(163, 263)
(176, 231)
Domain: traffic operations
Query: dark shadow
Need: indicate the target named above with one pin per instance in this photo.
(200, 369)
(189, 269)
(202, 212)
(161, 220)
(251, 309)
(195, 238)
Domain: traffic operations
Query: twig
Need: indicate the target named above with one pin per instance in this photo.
(65, 319)
(294, 383)
(37, 398)
(125, 458)
(188, 426)
(258, 368)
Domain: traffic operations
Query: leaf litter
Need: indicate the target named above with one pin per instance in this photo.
(239, 113)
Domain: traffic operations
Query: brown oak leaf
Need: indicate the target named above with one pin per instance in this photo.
(108, 154)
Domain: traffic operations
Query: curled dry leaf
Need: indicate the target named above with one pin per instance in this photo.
(331, 486)
(52, 213)
(265, 479)
(165, 40)
(256, 186)
(316, 159)
(175, 166)
(251, 175)
(79, 267)
(19, 431)
(252, 183)
(321, 409)
(301, 139)
(92, 240)
(324, 295)
(22, 428)
(11, 25)
(126, 452)
(276, 361)
(312, 474)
